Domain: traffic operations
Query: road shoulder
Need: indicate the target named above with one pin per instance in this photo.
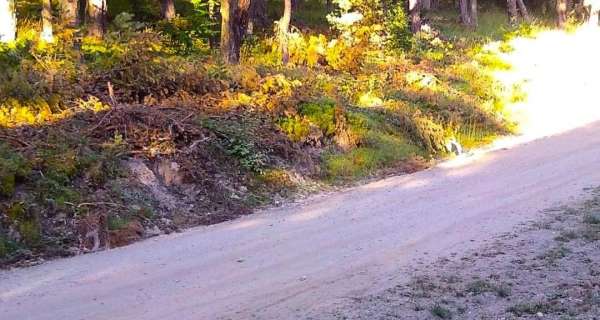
(549, 269)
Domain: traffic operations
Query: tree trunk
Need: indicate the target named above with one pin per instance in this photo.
(414, 13)
(465, 16)
(234, 23)
(69, 12)
(47, 34)
(167, 9)
(594, 14)
(284, 28)
(426, 5)
(512, 11)
(96, 12)
(8, 21)
(296, 4)
(258, 15)
(523, 10)
(473, 12)
(561, 13)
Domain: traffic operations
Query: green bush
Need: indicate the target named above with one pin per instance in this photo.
(7, 247)
(397, 28)
(321, 114)
(379, 150)
(12, 167)
(191, 33)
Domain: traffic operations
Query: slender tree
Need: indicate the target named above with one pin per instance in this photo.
(414, 13)
(473, 12)
(512, 11)
(96, 17)
(167, 9)
(234, 23)
(47, 34)
(561, 13)
(594, 18)
(426, 5)
(69, 12)
(258, 15)
(8, 21)
(523, 10)
(284, 29)
(465, 15)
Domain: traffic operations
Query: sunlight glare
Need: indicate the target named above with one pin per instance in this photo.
(560, 83)
(7, 21)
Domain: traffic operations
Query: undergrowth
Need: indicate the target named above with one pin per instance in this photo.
(222, 139)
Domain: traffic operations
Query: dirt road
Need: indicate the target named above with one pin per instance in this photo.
(281, 263)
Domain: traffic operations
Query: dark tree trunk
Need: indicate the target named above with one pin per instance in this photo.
(284, 28)
(96, 14)
(414, 13)
(258, 15)
(426, 5)
(296, 4)
(523, 10)
(47, 34)
(561, 13)
(8, 21)
(234, 23)
(512, 11)
(167, 9)
(465, 16)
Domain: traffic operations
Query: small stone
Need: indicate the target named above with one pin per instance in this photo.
(303, 278)
(153, 232)
(240, 260)
(539, 315)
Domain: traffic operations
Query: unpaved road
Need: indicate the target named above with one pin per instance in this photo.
(283, 262)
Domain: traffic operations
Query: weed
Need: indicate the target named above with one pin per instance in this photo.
(380, 151)
(517, 93)
(321, 114)
(522, 309)
(30, 232)
(247, 154)
(592, 218)
(554, 254)
(478, 287)
(566, 236)
(441, 312)
(116, 222)
(7, 247)
(591, 233)
(503, 291)
(12, 168)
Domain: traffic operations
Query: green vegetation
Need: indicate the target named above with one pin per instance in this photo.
(522, 309)
(441, 312)
(478, 287)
